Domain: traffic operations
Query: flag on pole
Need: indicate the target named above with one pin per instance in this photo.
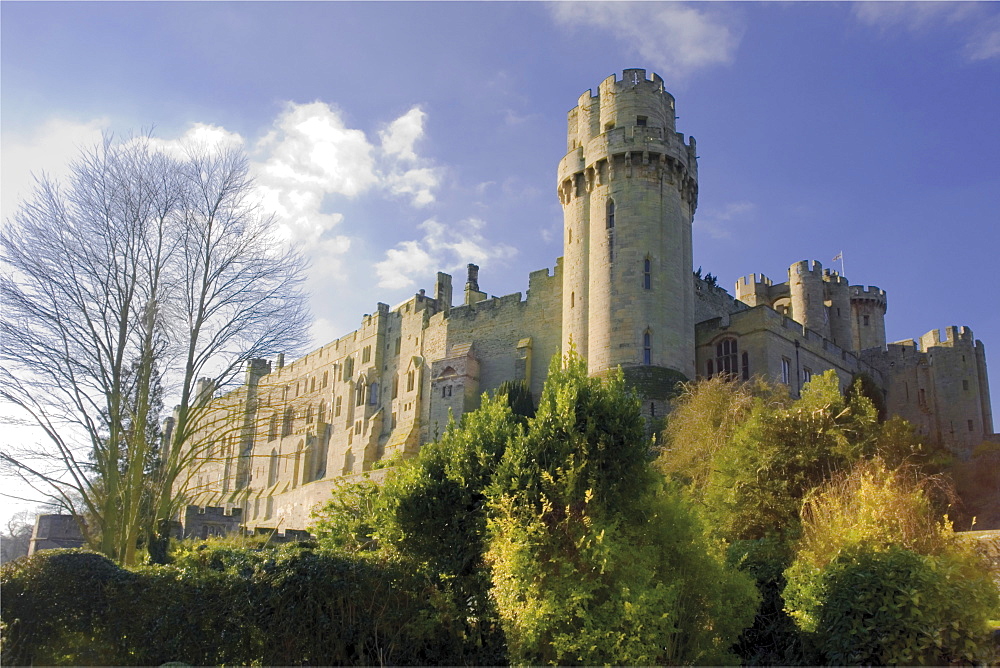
(838, 256)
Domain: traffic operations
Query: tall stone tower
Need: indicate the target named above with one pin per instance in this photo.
(629, 185)
(868, 306)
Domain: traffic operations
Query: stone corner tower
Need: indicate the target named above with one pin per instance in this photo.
(629, 186)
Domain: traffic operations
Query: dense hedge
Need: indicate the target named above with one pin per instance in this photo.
(894, 606)
(223, 606)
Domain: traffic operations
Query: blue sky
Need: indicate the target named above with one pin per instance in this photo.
(398, 139)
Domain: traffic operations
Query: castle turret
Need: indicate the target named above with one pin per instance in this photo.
(838, 301)
(868, 306)
(628, 186)
(255, 369)
(805, 284)
(754, 290)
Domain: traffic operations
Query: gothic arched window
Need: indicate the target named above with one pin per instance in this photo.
(725, 357)
(647, 348)
(359, 399)
(272, 468)
(611, 213)
(647, 274)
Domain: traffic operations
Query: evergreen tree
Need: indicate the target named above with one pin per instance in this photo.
(594, 559)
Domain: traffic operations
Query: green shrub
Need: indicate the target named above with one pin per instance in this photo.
(594, 560)
(773, 639)
(893, 606)
(54, 606)
(226, 605)
(878, 579)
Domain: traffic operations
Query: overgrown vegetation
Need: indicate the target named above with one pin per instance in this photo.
(749, 456)
(764, 529)
(879, 579)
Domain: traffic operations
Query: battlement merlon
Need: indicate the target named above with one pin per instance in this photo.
(870, 293)
(622, 102)
(953, 335)
(806, 267)
(753, 279)
(754, 290)
(833, 276)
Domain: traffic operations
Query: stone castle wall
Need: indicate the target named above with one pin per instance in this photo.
(623, 295)
(940, 386)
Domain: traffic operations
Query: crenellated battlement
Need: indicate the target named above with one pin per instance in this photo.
(832, 276)
(634, 76)
(952, 335)
(871, 293)
(806, 267)
(753, 279)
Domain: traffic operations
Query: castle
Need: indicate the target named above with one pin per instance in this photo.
(623, 294)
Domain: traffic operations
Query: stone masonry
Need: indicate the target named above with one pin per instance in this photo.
(623, 295)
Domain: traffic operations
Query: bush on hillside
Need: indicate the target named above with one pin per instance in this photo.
(879, 579)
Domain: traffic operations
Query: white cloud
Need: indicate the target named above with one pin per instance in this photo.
(404, 172)
(310, 148)
(980, 32)
(402, 263)
(674, 38)
(443, 247)
(324, 330)
(400, 136)
(419, 184)
(913, 16)
(719, 223)
(984, 42)
(48, 148)
(198, 137)
(310, 154)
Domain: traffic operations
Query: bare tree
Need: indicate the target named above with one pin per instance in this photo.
(149, 270)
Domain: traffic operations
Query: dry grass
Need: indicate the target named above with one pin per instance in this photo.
(875, 506)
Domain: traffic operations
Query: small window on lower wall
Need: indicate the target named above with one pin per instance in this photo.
(746, 366)
(786, 370)
(807, 374)
(711, 368)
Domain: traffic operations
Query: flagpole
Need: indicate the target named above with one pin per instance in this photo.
(840, 256)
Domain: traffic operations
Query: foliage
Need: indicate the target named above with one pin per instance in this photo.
(895, 606)
(518, 397)
(864, 385)
(773, 639)
(748, 455)
(871, 505)
(52, 608)
(223, 605)
(431, 515)
(593, 560)
(703, 419)
(144, 267)
(349, 520)
(437, 506)
(878, 579)
(777, 455)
